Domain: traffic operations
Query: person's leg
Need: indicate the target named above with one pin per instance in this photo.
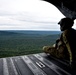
(59, 53)
(50, 50)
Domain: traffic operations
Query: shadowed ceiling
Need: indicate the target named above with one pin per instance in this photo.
(66, 7)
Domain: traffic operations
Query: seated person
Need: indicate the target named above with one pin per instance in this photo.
(65, 46)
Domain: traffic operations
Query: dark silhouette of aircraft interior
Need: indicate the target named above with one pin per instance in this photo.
(66, 7)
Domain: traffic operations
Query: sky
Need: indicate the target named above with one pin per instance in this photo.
(28, 15)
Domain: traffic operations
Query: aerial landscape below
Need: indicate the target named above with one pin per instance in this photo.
(23, 42)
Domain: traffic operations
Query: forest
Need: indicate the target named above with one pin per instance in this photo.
(16, 43)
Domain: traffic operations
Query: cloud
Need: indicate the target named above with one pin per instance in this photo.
(28, 14)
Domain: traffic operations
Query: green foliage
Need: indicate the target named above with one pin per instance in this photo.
(21, 44)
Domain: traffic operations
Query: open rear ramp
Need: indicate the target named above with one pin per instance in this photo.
(34, 64)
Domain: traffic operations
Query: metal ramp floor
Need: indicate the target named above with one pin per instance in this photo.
(34, 64)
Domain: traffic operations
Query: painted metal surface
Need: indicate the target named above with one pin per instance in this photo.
(35, 64)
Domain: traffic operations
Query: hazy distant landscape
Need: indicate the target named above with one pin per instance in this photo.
(15, 43)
